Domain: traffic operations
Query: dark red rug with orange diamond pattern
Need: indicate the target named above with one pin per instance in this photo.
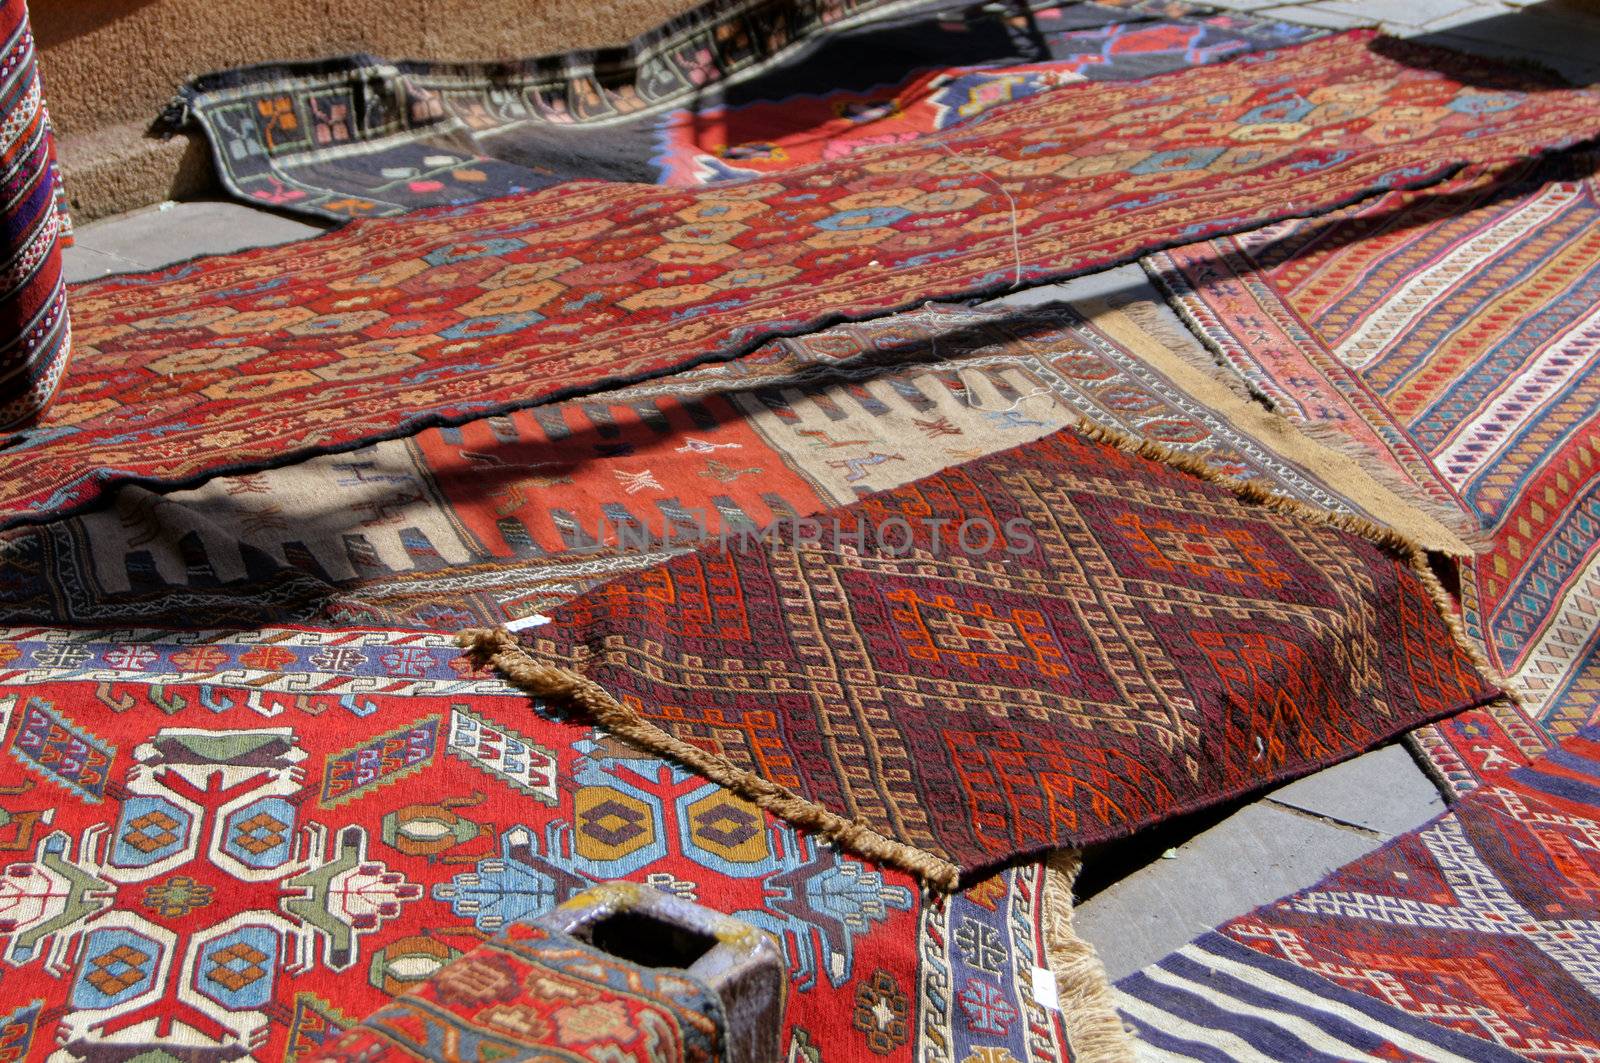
(388, 326)
(1045, 648)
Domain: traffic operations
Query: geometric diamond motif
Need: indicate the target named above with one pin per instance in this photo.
(259, 833)
(151, 831)
(1156, 641)
(237, 966)
(612, 822)
(118, 969)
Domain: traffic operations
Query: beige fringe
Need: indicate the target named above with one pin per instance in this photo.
(1326, 452)
(1388, 538)
(1460, 523)
(500, 648)
(1095, 1031)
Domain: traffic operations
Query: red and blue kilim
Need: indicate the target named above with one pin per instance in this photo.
(35, 339)
(1471, 938)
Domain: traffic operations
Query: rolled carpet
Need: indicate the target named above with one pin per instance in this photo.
(35, 339)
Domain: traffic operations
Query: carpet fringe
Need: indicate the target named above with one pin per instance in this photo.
(1219, 387)
(1453, 518)
(1408, 549)
(1095, 1032)
(498, 647)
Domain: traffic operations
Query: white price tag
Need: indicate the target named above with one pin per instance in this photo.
(1044, 988)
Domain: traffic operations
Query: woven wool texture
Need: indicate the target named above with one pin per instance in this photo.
(1470, 938)
(1448, 340)
(1131, 642)
(503, 517)
(256, 839)
(361, 137)
(387, 326)
(531, 994)
(35, 335)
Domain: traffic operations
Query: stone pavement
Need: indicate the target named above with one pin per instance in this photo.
(1153, 893)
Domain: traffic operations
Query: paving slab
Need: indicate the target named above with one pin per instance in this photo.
(80, 263)
(1255, 856)
(1123, 282)
(1384, 792)
(171, 232)
(1315, 15)
(1397, 13)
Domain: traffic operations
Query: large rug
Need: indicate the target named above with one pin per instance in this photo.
(501, 518)
(727, 90)
(226, 843)
(1450, 340)
(35, 334)
(389, 326)
(1042, 649)
(1471, 938)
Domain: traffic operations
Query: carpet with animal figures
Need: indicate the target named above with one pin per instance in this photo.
(391, 325)
(1045, 648)
(1450, 339)
(727, 90)
(221, 843)
(501, 518)
(1470, 938)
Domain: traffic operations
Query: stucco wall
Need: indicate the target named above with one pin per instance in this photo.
(109, 66)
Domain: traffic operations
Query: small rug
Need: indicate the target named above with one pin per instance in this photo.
(1449, 339)
(726, 90)
(391, 325)
(531, 994)
(502, 518)
(221, 843)
(35, 334)
(1042, 649)
(1471, 938)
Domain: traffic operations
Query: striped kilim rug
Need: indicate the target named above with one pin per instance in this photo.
(35, 334)
(1471, 938)
(1450, 340)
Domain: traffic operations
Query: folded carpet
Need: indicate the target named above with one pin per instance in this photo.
(1449, 340)
(1470, 938)
(220, 844)
(1041, 649)
(725, 90)
(390, 325)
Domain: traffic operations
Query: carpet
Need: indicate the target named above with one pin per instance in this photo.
(504, 517)
(727, 90)
(1470, 938)
(227, 842)
(1042, 649)
(391, 325)
(530, 993)
(1449, 339)
(35, 334)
